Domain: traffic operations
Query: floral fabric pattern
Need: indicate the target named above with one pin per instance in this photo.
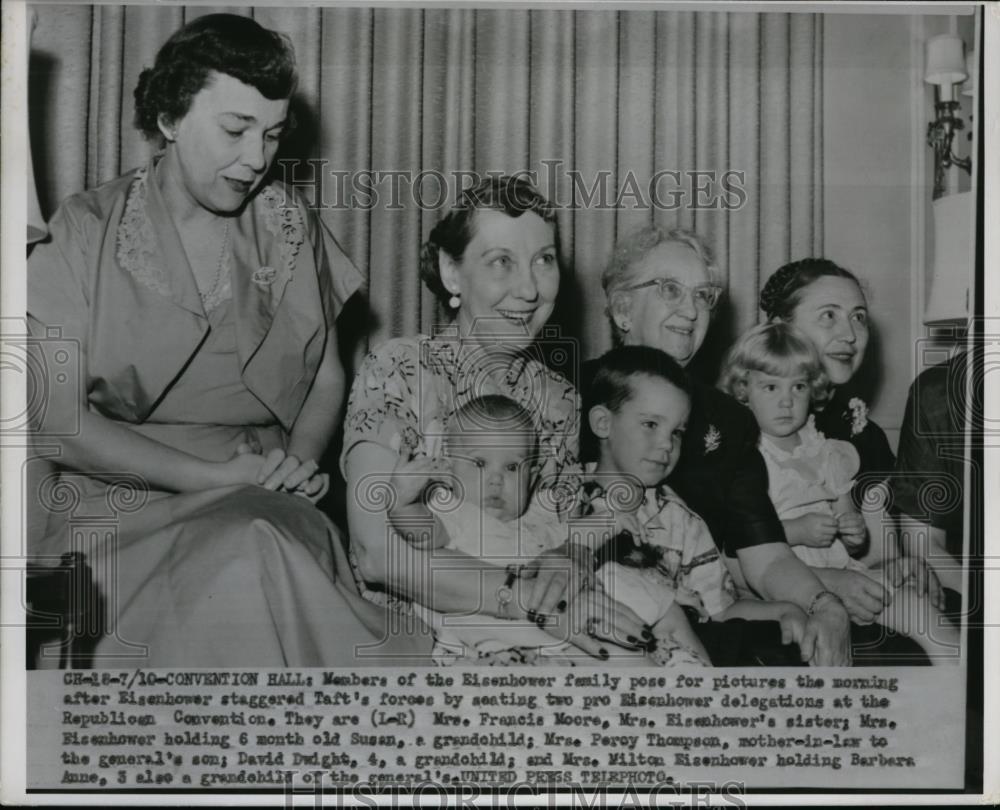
(689, 562)
(408, 389)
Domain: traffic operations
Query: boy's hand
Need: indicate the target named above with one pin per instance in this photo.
(629, 522)
(852, 530)
(410, 478)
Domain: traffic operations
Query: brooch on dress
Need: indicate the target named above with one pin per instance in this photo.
(264, 276)
(859, 415)
(712, 439)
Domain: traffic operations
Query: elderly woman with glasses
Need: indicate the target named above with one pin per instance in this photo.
(662, 287)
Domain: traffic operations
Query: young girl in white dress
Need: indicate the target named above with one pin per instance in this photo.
(775, 371)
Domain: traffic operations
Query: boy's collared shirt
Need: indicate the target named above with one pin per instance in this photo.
(688, 559)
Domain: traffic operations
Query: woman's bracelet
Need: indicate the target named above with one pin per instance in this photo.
(505, 593)
(819, 598)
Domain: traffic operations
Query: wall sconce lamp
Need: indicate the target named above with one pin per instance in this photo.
(945, 67)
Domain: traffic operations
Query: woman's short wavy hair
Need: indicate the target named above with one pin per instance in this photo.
(510, 194)
(631, 249)
(220, 43)
(776, 348)
(783, 291)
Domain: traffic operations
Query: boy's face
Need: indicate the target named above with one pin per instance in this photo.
(494, 468)
(643, 438)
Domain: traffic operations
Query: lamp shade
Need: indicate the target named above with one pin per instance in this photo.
(945, 60)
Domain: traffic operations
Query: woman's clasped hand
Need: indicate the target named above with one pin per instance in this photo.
(277, 470)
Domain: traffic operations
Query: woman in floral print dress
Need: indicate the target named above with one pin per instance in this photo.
(493, 261)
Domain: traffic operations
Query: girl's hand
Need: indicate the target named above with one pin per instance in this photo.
(852, 530)
(815, 529)
(410, 479)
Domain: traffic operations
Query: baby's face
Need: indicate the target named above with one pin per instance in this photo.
(494, 469)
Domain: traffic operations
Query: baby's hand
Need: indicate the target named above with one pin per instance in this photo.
(410, 478)
(852, 530)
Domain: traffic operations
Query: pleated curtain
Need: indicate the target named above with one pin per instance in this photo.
(598, 104)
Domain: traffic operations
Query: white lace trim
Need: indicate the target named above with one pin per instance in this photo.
(136, 240)
(811, 443)
(137, 243)
(223, 292)
(285, 223)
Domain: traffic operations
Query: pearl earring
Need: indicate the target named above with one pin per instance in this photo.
(625, 325)
(455, 301)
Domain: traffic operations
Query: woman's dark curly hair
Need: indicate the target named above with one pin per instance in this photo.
(224, 43)
(512, 195)
(784, 289)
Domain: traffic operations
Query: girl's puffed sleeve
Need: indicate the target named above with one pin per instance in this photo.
(841, 464)
(382, 407)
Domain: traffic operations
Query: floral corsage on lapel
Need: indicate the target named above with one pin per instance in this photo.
(264, 276)
(713, 438)
(858, 411)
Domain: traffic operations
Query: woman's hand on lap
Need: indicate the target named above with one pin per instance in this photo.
(863, 597)
(595, 623)
(827, 639)
(282, 470)
(275, 471)
(555, 576)
(315, 488)
(915, 569)
(243, 468)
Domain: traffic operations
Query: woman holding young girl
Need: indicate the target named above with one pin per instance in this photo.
(776, 372)
(827, 304)
(662, 288)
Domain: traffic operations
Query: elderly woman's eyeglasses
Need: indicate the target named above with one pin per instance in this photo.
(672, 291)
